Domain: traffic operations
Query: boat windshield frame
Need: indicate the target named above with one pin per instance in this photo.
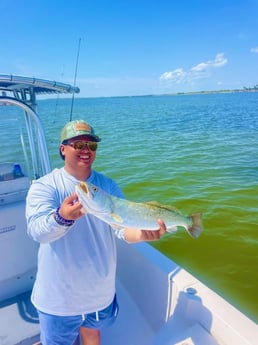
(22, 92)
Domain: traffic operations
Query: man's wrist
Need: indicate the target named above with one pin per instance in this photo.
(62, 221)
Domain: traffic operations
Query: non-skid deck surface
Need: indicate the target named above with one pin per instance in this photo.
(18, 321)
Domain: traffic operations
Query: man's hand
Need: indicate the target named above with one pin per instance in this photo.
(149, 235)
(71, 208)
(136, 235)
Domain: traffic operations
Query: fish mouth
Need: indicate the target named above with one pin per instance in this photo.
(84, 187)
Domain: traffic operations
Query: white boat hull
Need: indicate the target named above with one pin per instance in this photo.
(18, 252)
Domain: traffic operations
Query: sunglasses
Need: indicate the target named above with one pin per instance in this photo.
(81, 145)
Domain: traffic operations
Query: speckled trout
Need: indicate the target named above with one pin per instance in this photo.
(121, 213)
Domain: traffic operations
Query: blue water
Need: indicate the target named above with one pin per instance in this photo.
(195, 152)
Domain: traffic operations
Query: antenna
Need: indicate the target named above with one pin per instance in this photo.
(75, 77)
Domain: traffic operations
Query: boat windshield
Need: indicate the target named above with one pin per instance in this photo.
(23, 154)
(15, 155)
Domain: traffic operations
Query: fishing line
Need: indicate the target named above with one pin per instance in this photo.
(75, 77)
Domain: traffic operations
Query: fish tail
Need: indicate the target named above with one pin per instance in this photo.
(196, 228)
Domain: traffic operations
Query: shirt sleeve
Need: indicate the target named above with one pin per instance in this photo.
(41, 203)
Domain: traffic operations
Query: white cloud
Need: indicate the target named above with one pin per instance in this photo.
(178, 75)
(219, 61)
(200, 71)
(254, 50)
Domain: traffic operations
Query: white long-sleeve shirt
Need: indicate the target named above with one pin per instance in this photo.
(76, 264)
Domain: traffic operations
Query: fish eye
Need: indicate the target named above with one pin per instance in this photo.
(95, 189)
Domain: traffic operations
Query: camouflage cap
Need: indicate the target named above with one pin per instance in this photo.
(78, 127)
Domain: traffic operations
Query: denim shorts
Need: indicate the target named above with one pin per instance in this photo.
(64, 330)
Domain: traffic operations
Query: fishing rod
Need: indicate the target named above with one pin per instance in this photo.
(75, 77)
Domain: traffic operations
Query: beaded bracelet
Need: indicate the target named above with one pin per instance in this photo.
(62, 221)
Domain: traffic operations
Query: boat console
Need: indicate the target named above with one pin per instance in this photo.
(23, 158)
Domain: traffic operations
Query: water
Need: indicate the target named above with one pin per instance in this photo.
(196, 152)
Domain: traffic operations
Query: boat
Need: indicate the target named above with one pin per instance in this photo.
(160, 302)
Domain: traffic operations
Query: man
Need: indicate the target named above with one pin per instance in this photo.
(74, 289)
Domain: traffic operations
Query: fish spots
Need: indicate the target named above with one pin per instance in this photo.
(116, 217)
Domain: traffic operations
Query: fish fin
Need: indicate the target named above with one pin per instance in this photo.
(172, 229)
(116, 217)
(117, 227)
(165, 207)
(196, 228)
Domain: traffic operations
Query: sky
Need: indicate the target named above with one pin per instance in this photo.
(132, 47)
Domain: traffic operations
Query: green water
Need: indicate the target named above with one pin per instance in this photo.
(196, 152)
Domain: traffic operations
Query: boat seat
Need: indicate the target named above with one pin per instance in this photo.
(13, 186)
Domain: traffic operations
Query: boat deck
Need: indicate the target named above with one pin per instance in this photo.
(19, 326)
(160, 304)
(19, 321)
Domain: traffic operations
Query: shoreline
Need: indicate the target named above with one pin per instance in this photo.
(188, 93)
